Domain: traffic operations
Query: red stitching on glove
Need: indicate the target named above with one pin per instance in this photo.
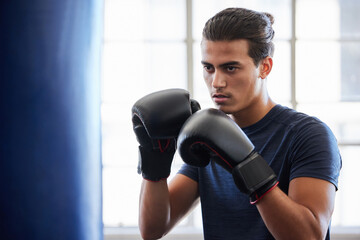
(214, 152)
(259, 198)
(166, 146)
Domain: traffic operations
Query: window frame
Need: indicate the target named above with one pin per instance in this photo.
(187, 231)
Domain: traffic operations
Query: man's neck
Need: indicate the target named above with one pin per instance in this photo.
(253, 113)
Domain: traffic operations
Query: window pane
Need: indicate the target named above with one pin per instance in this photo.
(279, 80)
(121, 188)
(318, 71)
(117, 16)
(347, 206)
(144, 19)
(165, 66)
(349, 18)
(327, 18)
(119, 145)
(350, 71)
(123, 71)
(314, 20)
(328, 71)
(280, 9)
(165, 20)
(137, 68)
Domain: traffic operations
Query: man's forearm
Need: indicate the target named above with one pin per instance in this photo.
(154, 209)
(287, 219)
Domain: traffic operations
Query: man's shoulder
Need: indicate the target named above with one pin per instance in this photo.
(296, 120)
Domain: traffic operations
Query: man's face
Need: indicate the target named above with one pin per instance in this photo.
(231, 76)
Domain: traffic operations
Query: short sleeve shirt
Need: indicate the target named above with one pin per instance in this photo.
(294, 145)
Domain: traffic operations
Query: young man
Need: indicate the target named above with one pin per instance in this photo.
(301, 151)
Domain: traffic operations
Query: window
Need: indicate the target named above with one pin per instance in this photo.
(151, 45)
(144, 51)
(328, 85)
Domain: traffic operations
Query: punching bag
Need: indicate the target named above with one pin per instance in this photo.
(50, 140)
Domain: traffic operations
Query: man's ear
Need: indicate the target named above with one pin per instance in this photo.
(265, 67)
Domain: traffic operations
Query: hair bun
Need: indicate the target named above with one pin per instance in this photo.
(271, 17)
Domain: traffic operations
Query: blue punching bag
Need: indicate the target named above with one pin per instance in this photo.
(50, 141)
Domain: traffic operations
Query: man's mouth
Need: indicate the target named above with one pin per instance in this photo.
(219, 98)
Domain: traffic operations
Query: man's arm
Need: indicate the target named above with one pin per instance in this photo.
(163, 205)
(304, 214)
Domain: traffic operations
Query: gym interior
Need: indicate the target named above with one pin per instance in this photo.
(70, 72)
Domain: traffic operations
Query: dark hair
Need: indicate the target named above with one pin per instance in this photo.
(240, 23)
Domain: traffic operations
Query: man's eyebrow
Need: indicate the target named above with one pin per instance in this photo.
(231, 63)
(205, 63)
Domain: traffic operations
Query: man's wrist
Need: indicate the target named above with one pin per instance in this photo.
(155, 165)
(257, 196)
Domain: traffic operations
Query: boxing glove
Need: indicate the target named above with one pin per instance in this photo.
(157, 119)
(211, 134)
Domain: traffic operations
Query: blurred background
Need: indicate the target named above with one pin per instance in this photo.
(151, 45)
(70, 72)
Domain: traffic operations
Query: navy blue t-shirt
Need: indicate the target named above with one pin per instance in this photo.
(294, 144)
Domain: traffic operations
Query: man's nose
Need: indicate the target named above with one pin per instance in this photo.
(219, 80)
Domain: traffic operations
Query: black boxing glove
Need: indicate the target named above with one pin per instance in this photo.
(211, 134)
(157, 119)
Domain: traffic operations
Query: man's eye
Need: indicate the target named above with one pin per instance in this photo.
(231, 68)
(208, 68)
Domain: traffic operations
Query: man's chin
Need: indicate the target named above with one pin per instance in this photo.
(223, 108)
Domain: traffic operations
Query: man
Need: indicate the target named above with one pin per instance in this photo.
(299, 150)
